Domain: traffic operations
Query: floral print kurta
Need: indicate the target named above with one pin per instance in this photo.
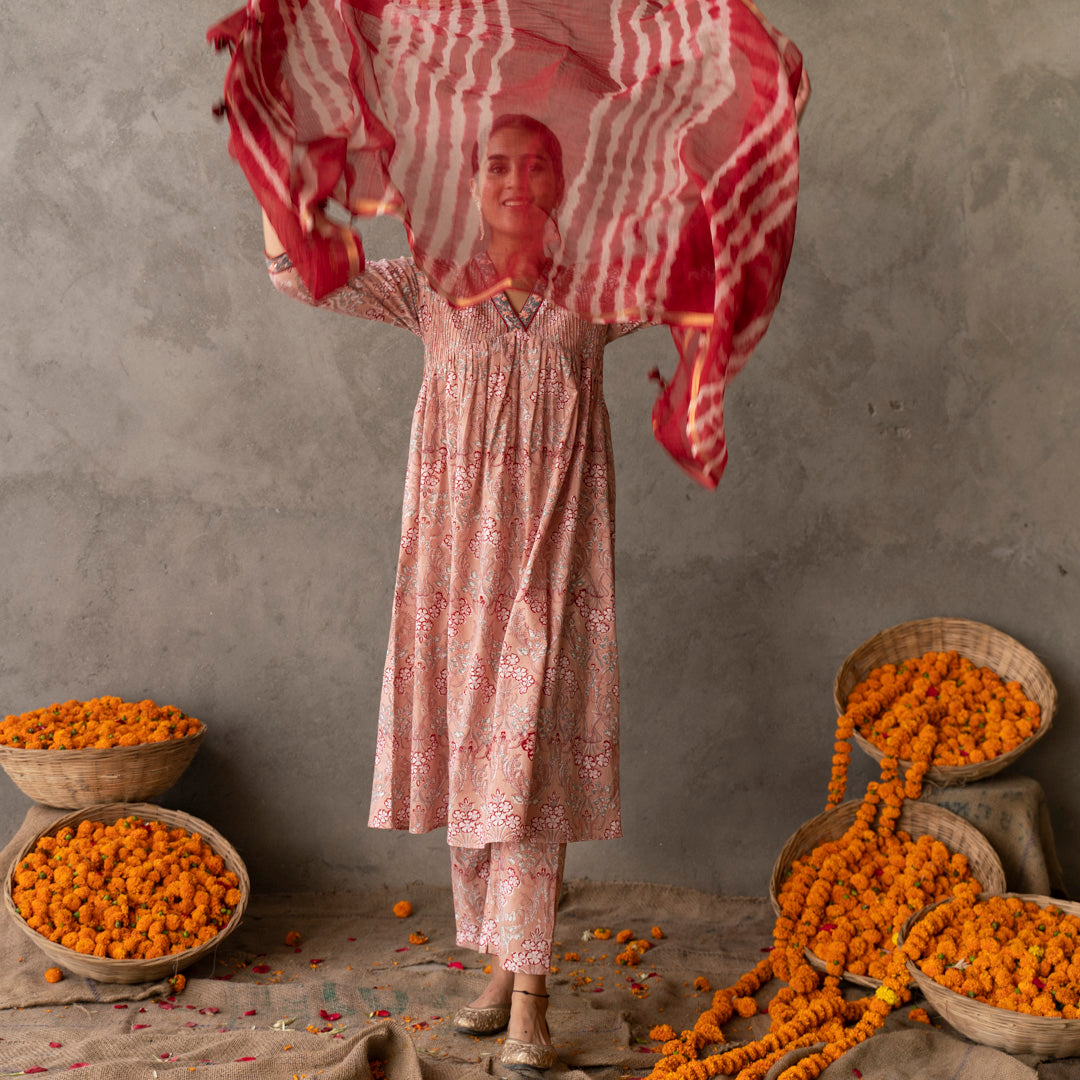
(499, 715)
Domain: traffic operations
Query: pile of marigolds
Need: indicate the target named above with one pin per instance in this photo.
(134, 889)
(100, 722)
(846, 901)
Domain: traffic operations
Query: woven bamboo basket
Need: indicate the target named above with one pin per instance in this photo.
(1015, 1033)
(105, 969)
(70, 779)
(916, 818)
(984, 646)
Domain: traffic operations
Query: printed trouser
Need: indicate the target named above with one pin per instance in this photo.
(505, 896)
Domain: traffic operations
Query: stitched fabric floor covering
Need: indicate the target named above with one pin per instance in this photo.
(356, 990)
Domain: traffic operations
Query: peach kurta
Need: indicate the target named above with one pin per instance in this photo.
(499, 715)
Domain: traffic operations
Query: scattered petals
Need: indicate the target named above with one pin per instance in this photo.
(250, 1012)
(261, 969)
(456, 964)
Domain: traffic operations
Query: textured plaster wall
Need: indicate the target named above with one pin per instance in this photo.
(200, 482)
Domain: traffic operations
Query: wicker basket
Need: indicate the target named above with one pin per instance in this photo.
(104, 969)
(70, 779)
(916, 818)
(1015, 1033)
(981, 644)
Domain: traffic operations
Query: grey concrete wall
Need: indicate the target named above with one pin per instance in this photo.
(200, 482)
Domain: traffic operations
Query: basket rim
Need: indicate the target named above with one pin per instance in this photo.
(160, 745)
(220, 845)
(949, 775)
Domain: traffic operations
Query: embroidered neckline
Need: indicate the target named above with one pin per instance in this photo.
(515, 320)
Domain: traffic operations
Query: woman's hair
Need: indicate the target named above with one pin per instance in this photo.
(526, 123)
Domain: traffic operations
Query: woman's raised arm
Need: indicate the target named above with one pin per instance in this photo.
(387, 290)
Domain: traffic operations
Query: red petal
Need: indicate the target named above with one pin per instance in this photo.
(404, 948)
(209, 1010)
(931, 691)
(36, 1069)
(456, 964)
(245, 1059)
(261, 969)
(827, 926)
(383, 1012)
(119, 1006)
(250, 1012)
(138, 1027)
(314, 962)
(55, 1045)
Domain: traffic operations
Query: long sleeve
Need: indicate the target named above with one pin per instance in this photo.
(387, 290)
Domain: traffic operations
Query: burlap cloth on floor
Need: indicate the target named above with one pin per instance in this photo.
(356, 982)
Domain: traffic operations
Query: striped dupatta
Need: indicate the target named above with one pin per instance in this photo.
(679, 143)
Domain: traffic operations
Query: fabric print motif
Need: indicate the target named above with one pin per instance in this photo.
(505, 897)
(495, 466)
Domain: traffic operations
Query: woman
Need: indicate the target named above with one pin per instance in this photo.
(499, 711)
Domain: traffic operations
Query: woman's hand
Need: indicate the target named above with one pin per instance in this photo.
(803, 96)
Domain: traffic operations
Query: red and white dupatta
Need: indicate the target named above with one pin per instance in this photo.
(679, 144)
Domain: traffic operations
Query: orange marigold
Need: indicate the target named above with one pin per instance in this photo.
(53, 975)
(178, 982)
(418, 937)
(657, 932)
(702, 984)
(601, 933)
(623, 936)
(403, 909)
(292, 938)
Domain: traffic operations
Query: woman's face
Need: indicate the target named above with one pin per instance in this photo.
(516, 187)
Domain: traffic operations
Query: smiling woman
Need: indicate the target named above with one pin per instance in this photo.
(499, 712)
(517, 185)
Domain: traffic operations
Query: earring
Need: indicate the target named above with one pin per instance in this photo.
(480, 211)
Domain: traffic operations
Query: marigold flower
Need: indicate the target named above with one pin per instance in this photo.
(657, 932)
(403, 909)
(178, 982)
(601, 933)
(292, 938)
(53, 975)
(418, 937)
(702, 984)
(623, 936)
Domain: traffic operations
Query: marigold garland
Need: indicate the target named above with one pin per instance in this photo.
(100, 722)
(936, 709)
(847, 900)
(134, 889)
(1004, 951)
